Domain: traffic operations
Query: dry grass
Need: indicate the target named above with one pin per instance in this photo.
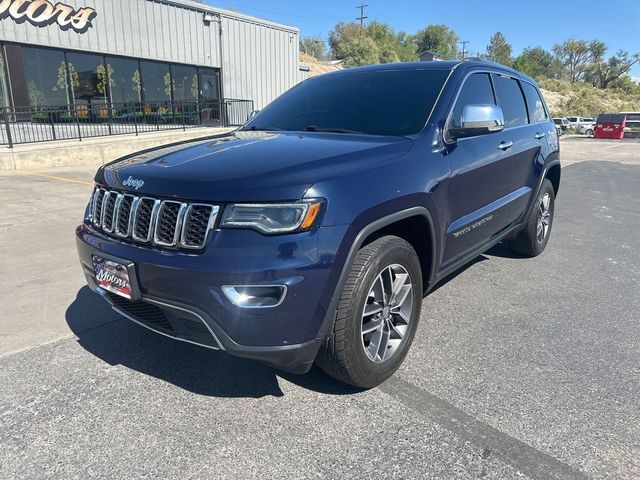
(317, 67)
(565, 99)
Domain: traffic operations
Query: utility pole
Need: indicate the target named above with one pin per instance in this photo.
(362, 18)
(464, 48)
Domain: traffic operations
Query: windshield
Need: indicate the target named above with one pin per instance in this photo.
(393, 102)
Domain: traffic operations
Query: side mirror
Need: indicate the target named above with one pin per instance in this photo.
(478, 120)
(252, 115)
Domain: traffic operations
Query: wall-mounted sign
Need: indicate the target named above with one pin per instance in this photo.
(43, 12)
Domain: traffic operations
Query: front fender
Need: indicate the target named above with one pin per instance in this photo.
(365, 225)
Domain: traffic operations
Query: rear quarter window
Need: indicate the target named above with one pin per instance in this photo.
(535, 105)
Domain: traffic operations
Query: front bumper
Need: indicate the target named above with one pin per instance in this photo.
(181, 292)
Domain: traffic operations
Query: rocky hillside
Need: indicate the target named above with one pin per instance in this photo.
(565, 99)
(317, 67)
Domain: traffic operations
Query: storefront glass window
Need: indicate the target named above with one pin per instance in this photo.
(46, 77)
(185, 81)
(3, 88)
(125, 82)
(88, 78)
(156, 81)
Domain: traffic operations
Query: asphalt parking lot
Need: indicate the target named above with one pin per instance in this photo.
(520, 369)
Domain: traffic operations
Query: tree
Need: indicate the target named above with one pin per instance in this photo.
(439, 40)
(393, 46)
(535, 62)
(360, 51)
(376, 43)
(353, 45)
(499, 50)
(602, 72)
(407, 47)
(627, 85)
(574, 56)
(314, 46)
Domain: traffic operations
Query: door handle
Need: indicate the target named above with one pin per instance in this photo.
(540, 135)
(505, 145)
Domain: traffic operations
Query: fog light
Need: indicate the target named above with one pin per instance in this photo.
(255, 296)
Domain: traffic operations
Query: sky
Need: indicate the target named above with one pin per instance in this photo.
(524, 23)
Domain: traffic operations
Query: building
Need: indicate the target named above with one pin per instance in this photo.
(106, 59)
(428, 56)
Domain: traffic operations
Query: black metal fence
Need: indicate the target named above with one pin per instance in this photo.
(78, 121)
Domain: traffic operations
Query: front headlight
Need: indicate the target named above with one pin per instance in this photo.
(273, 217)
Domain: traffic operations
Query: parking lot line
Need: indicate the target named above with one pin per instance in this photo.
(520, 455)
(56, 177)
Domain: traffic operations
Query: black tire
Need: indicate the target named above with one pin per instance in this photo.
(342, 355)
(589, 133)
(528, 242)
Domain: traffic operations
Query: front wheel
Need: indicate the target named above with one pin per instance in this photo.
(533, 239)
(377, 315)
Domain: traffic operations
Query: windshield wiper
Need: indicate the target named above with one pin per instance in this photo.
(313, 128)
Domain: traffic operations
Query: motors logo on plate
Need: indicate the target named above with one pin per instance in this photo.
(112, 276)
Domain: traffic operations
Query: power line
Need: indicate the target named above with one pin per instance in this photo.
(275, 12)
(362, 18)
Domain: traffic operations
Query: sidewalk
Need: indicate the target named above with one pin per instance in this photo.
(93, 151)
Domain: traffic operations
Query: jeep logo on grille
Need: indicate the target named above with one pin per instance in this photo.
(133, 183)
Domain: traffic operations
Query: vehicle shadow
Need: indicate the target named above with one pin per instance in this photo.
(500, 250)
(118, 341)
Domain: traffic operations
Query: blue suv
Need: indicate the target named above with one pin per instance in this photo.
(312, 233)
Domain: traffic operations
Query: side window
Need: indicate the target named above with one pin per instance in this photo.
(537, 112)
(511, 100)
(477, 90)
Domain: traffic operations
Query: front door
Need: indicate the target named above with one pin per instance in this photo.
(210, 106)
(484, 197)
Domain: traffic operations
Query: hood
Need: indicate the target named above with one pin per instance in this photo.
(248, 166)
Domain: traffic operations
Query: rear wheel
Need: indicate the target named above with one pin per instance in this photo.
(533, 239)
(377, 315)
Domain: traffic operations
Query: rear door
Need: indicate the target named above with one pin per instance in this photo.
(483, 197)
(541, 133)
(528, 135)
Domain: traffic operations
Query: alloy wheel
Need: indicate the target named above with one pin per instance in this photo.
(544, 218)
(387, 313)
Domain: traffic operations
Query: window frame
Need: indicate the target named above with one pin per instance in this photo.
(524, 98)
(452, 105)
(491, 73)
(450, 118)
(544, 103)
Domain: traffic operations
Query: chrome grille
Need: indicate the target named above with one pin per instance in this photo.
(108, 208)
(198, 220)
(124, 220)
(165, 223)
(143, 218)
(96, 208)
(167, 231)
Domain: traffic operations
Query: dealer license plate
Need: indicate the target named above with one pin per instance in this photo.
(112, 276)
